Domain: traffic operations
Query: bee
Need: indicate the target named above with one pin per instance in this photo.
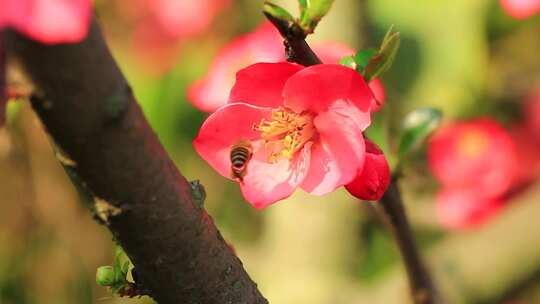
(241, 153)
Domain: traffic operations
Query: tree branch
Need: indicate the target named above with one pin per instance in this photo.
(420, 282)
(296, 46)
(89, 110)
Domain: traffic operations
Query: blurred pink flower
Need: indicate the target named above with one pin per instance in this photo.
(478, 152)
(262, 45)
(303, 126)
(161, 26)
(520, 9)
(465, 208)
(180, 18)
(47, 21)
(174, 18)
(476, 163)
(372, 181)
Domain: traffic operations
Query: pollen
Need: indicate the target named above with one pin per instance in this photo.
(473, 144)
(285, 133)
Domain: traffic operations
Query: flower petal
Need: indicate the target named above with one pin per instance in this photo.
(315, 88)
(184, 18)
(371, 183)
(266, 183)
(261, 84)
(520, 9)
(339, 153)
(262, 45)
(377, 88)
(477, 153)
(223, 129)
(465, 208)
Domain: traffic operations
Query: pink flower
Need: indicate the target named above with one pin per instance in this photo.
(161, 27)
(476, 163)
(374, 178)
(377, 88)
(184, 18)
(262, 45)
(465, 208)
(154, 49)
(174, 18)
(332, 52)
(47, 21)
(298, 127)
(478, 152)
(520, 9)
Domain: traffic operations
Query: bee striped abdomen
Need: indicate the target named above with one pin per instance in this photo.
(240, 155)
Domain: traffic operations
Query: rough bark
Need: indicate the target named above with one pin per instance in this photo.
(88, 108)
(296, 47)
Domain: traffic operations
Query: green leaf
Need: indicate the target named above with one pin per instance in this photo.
(303, 5)
(416, 128)
(277, 12)
(125, 269)
(348, 61)
(120, 267)
(382, 61)
(363, 57)
(312, 13)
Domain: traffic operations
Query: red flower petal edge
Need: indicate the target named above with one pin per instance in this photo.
(465, 208)
(373, 180)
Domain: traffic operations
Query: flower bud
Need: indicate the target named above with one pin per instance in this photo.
(105, 276)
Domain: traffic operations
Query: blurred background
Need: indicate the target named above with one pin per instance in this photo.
(476, 60)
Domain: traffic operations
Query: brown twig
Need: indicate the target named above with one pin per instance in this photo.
(422, 287)
(296, 46)
(89, 110)
(421, 284)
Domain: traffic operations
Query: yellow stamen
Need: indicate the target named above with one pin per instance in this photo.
(473, 144)
(285, 133)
